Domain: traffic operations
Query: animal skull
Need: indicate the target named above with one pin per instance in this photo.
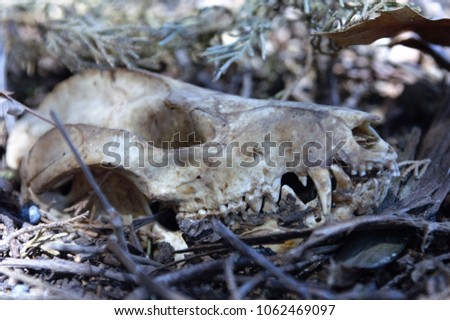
(204, 153)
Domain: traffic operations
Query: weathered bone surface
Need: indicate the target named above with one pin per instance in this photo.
(204, 153)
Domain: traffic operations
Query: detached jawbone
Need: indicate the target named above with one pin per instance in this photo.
(206, 154)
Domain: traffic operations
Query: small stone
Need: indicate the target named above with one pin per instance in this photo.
(30, 214)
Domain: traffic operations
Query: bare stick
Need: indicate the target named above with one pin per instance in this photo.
(249, 285)
(230, 278)
(64, 266)
(287, 280)
(45, 287)
(194, 272)
(149, 284)
(115, 217)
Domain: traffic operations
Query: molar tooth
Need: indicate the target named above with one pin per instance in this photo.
(269, 206)
(322, 181)
(255, 202)
(343, 181)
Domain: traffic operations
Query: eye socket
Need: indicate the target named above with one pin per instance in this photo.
(173, 127)
(63, 187)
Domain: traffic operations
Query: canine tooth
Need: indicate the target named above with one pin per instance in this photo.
(223, 208)
(354, 172)
(275, 190)
(343, 181)
(287, 191)
(303, 180)
(322, 181)
(362, 173)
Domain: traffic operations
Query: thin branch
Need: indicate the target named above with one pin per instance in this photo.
(64, 266)
(194, 272)
(149, 284)
(115, 217)
(287, 280)
(249, 285)
(46, 287)
(230, 277)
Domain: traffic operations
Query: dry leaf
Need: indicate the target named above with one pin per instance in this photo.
(390, 24)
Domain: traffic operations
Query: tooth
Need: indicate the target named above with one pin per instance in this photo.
(255, 202)
(322, 181)
(369, 166)
(362, 172)
(397, 170)
(354, 172)
(375, 186)
(343, 181)
(390, 166)
(275, 192)
(287, 191)
(237, 206)
(270, 206)
(393, 168)
(303, 180)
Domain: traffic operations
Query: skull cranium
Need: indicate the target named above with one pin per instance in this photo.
(205, 153)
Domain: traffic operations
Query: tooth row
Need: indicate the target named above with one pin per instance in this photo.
(362, 169)
(321, 179)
